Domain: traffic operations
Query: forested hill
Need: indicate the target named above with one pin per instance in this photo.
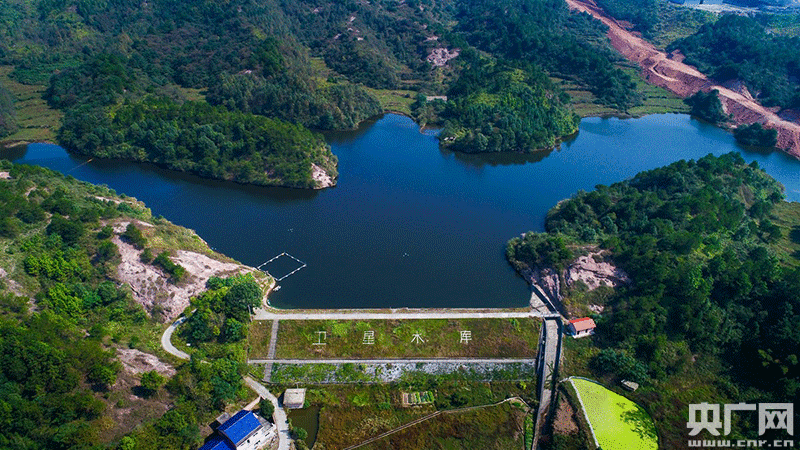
(713, 305)
(318, 65)
(78, 349)
(740, 48)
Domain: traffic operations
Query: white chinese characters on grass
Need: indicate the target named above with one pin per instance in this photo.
(466, 336)
(369, 338)
(322, 336)
(417, 339)
(771, 416)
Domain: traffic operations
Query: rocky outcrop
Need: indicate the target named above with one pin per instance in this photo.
(591, 270)
(594, 274)
(548, 282)
(322, 179)
(153, 289)
(439, 56)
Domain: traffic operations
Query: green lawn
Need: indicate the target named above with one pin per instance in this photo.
(429, 338)
(618, 423)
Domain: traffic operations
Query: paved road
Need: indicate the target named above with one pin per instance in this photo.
(549, 365)
(393, 361)
(262, 314)
(166, 340)
(281, 422)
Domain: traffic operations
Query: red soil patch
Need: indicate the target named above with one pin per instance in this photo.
(669, 72)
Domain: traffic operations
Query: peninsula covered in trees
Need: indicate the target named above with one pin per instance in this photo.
(713, 284)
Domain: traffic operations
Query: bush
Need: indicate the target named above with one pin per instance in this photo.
(267, 408)
(176, 271)
(152, 382)
(707, 107)
(755, 135)
(134, 236)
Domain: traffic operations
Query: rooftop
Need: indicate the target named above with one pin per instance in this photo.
(217, 443)
(240, 426)
(294, 398)
(583, 324)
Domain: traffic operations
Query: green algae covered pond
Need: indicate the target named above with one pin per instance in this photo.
(617, 422)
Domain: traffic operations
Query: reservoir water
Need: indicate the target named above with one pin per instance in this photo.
(408, 224)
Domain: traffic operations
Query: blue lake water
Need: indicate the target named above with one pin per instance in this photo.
(408, 224)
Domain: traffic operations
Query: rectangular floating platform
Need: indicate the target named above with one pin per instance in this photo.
(276, 261)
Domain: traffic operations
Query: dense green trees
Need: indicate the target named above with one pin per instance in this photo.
(643, 14)
(756, 135)
(196, 137)
(708, 107)
(533, 251)
(695, 238)
(222, 313)
(334, 106)
(737, 47)
(545, 33)
(495, 107)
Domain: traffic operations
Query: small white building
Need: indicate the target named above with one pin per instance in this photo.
(244, 431)
(294, 398)
(579, 328)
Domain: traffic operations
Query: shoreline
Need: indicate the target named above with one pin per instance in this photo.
(14, 143)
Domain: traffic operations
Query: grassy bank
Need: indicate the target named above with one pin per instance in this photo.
(437, 338)
(352, 414)
(493, 427)
(37, 121)
(786, 215)
(655, 100)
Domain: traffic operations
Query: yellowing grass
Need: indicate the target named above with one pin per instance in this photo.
(618, 423)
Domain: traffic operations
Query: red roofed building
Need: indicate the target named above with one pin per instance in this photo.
(581, 327)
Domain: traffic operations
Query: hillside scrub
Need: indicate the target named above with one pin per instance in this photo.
(64, 319)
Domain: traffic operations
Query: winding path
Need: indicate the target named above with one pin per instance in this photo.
(669, 72)
(279, 416)
(166, 340)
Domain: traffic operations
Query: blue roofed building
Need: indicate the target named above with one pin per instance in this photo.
(244, 431)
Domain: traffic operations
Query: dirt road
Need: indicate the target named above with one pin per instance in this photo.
(669, 72)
